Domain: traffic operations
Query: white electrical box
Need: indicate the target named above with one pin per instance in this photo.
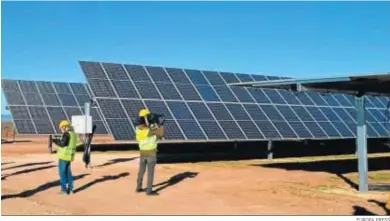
(82, 124)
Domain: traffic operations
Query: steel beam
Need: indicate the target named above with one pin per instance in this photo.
(362, 143)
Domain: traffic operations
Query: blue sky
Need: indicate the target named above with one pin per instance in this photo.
(44, 40)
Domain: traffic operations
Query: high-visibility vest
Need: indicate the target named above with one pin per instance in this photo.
(67, 153)
(145, 140)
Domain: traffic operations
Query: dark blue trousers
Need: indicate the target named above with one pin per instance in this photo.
(66, 178)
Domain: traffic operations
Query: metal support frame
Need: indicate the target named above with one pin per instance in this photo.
(362, 143)
(269, 148)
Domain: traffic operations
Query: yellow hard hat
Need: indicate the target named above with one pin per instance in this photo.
(143, 112)
(64, 123)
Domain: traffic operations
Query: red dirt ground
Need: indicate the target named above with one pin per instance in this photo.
(219, 188)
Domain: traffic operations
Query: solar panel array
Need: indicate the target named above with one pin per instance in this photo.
(37, 107)
(200, 105)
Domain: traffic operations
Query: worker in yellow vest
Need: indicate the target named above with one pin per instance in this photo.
(147, 137)
(65, 154)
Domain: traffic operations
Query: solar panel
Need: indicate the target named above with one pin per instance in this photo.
(37, 107)
(201, 105)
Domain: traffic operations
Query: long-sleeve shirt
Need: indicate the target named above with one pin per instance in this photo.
(64, 141)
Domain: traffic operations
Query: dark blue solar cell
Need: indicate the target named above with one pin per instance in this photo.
(168, 91)
(188, 92)
(158, 74)
(274, 96)
(212, 130)
(115, 71)
(219, 110)
(121, 129)
(47, 87)
(33, 99)
(369, 116)
(232, 130)
(381, 128)
(238, 112)
(343, 129)
(341, 112)
(343, 100)
(137, 73)
(72, 111)
(125, 89)
(158, 107)
(301, 130)
(329, 129)
(351, 99)
(67, 100)
(200, 111)
(377, 102)
(28, 87)
(289, 96)
(250, 130)
(77, 88)
(371, 132)
(287, 113)
(62, 88)
(82, 99)
(180, 110)
(255, 112)
(14, 98)
(259, 96)
(191, 130)
(242, 94)
(92, 70)
(38, 113)
(19, 112)
(285, 130)
(330, 100)
(24, 127)
(95, 114)
(315, 129)
(100, 128)
(207, 93)
(178, 75)
(272, 112)
(302, 113)
(317, 98)
(304, 98)
(352, 127)
(10, 85)
(225, 94)
(43, 126)
(147, 90)
(101, 88)
(259, 78)
(352, 113)
(369, 101)
(380, 115)
(111, 108)
(330, 114)
(244, 77)
(172, 131)
(317, 114)
(56, 114)
(229, 77)
(214, 78)
(268, 129)
(196, 77)
(385, 101)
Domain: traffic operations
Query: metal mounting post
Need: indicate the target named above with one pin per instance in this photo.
(269, 148)
(362, 143)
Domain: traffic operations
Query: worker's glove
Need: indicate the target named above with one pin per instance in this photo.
(153, 126)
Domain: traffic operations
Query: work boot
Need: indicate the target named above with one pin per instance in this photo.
(62, 193)
(138, 190)
(151, 193)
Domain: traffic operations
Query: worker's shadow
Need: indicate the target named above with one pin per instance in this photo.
(100, 180)
(116, 161)
(174, 180)
(382, 205)
(38, 189)
(3, 177)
